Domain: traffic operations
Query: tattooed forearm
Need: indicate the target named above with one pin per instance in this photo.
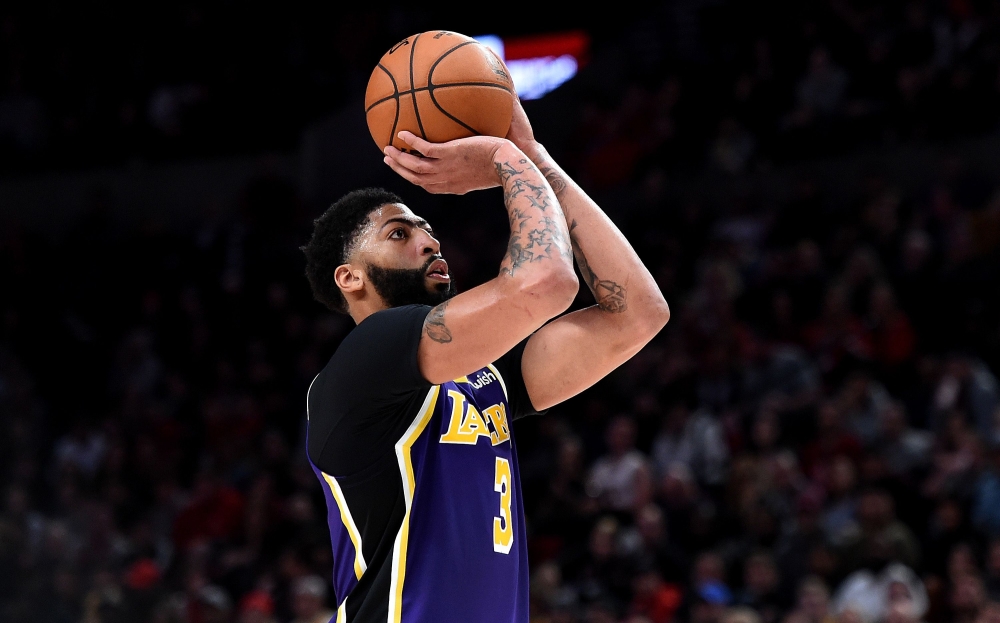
(506, 170)
(434, 325)
(555, 179)
(534, 235)
(536, 195)
(517, 219)
(610, 296)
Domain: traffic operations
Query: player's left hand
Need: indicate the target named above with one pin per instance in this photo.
(520, 132)
(453, 168)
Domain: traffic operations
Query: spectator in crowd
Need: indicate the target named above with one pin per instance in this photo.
(654, 599)
(820, 92)
(256, 607)
(990, 613)
(881, 537)
(840, 518)
(968, 597)
(694, 439)
(741, 614)
(834, 443)
(213, 605)
(862, 399)
(761, 583)
(603, 574)
(986, 508)
(309, 600)
(993, 569)
(803, 536)
(970, 386)
(905, 449)
(621, 479)
(708, 578)
(649, 544)
(813, 604)
(871, 596)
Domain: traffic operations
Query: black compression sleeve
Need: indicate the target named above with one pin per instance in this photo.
(517, 394)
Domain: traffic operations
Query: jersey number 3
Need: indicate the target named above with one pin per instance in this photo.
(503, 529)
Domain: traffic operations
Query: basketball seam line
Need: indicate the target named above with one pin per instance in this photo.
(453, 117)
(413, 94)
(430, 86)
(430, 72)
(435, 87)
(395, 94)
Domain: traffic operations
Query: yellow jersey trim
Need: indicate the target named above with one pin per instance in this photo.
(352, 529)
(345, 513)
(503, 385)
(406, 472)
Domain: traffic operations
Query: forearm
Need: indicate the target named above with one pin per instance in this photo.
(619, 281)
(539, 243)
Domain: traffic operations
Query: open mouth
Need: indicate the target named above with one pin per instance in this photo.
(438, 271)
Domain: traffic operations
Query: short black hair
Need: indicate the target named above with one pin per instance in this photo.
(333, 235)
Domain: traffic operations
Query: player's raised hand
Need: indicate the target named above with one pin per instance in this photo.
(520, 132)
(454, 168)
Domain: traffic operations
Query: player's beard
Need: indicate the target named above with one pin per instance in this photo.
(408, 286)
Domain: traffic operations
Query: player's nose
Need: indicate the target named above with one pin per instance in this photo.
(431, 246)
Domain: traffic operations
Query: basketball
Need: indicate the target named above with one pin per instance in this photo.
(441, 86)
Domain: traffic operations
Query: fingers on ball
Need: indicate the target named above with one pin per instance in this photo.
(414, 163)
(420, 145)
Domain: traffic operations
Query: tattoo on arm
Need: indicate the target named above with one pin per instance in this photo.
(434, 325)
(533, 236)
(555, 179)
(506, 170)
(610, 296)
(517, 218)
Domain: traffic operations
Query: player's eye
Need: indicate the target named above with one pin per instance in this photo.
(398, 234)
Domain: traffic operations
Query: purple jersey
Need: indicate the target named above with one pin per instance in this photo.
(421, 481)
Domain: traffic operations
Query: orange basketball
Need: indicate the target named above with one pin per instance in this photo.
(440, 85)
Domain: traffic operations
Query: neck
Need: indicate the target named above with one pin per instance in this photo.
(360, 309)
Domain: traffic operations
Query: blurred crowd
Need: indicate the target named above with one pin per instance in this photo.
(737, 87)
(748, 84)
(814, 438)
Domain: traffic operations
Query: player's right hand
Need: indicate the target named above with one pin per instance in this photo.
(454, 168)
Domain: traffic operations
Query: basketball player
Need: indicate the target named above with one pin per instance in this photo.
(410, 423)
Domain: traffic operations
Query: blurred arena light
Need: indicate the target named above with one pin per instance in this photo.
(540, 63)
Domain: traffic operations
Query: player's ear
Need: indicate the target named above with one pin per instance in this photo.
(348, 278)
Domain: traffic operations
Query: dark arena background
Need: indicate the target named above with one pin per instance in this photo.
(813, 438)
